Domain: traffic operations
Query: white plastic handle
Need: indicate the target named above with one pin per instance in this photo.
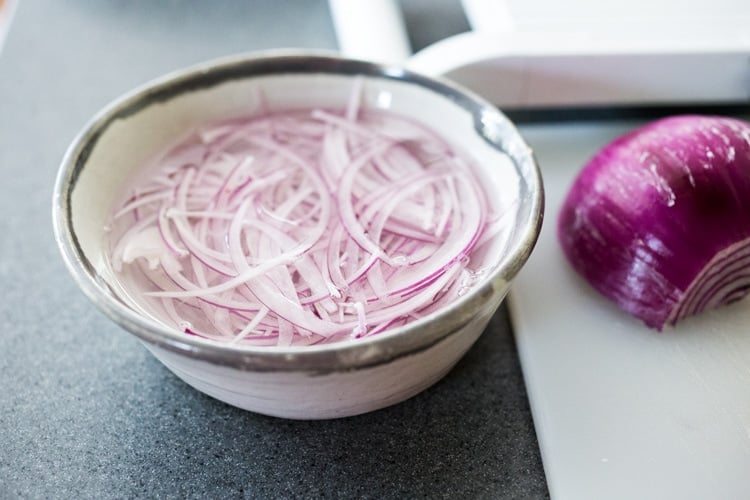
(566, 67)
(371, 29)
(6, 14)
(490, 16)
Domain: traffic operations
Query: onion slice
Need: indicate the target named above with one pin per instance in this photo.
(659, 220)
(303, 226)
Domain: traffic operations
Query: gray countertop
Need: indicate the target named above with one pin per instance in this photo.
(87, 412)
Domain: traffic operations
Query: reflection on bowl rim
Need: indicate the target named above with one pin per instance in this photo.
(414, 337)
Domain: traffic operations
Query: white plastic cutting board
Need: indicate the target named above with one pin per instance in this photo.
(622, 411)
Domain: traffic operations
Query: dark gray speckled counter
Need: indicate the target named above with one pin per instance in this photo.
(87, 412)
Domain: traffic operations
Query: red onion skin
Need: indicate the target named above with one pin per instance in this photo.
(651, 210)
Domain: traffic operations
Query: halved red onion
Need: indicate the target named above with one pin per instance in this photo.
(659, 220)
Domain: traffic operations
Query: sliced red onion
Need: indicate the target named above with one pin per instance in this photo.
(301, 226)
(659, 220)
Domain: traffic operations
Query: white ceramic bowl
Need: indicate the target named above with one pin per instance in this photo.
(314, 382)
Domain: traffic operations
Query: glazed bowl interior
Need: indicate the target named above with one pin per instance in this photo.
(132, 130)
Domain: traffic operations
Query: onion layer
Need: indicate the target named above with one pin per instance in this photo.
(659, 220)
(302, 226)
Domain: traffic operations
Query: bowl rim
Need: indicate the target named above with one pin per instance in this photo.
(489, 122)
